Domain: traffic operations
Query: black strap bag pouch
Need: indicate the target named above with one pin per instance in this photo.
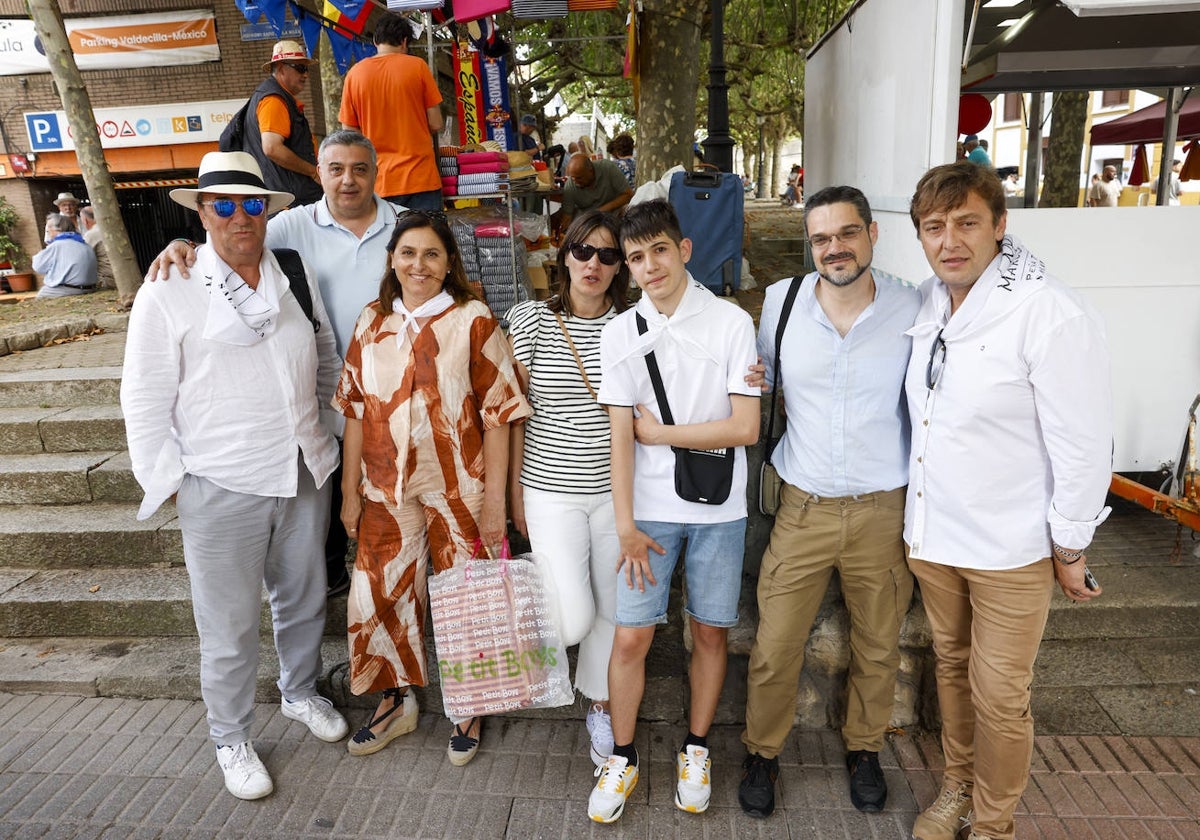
(701, 475)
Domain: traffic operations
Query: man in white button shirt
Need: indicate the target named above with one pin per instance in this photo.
(844, 463)
(223, 390)
(343, 239)
(1009, 396)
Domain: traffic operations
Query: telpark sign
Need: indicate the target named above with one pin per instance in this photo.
(136, 125)
(106, 43)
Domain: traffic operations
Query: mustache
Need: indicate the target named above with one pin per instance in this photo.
(842, 256)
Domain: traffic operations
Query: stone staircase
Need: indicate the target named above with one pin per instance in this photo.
(93, 602)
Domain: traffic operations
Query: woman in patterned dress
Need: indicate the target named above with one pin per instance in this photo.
(428, 391)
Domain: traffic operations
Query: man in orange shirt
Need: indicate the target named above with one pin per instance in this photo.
(393, 99)
(277, 133)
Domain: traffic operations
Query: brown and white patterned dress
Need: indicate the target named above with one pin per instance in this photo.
(424, 402)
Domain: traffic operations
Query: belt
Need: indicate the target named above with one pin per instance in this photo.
(75, 286)
(858, 498)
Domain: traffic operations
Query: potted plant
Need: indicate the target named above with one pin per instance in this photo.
(21, 279)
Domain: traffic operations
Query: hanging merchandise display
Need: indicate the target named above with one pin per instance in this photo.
(481, 93)
(467, 10)
(414, 5)
(591, 5)
(539, 9)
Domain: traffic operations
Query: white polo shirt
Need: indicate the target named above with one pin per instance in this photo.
(703, 353)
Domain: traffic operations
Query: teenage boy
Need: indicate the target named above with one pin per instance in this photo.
(702, 346)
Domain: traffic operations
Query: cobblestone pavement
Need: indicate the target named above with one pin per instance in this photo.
(74, 767)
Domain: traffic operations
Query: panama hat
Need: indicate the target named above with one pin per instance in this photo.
(65, 196)
(231, 173)
(287, 51)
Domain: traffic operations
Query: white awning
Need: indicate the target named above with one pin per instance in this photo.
(1100, 8)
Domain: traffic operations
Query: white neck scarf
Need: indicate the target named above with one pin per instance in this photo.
(436, 305)
(238, 314)
(696, 298)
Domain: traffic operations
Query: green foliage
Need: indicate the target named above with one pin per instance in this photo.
(10, 250)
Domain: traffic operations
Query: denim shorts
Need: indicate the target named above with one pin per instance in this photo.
(712, 570)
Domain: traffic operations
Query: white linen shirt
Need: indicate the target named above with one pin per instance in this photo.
(233, 414)
(1013, 446)
(847, 422)
(697, 389)
(348, 269)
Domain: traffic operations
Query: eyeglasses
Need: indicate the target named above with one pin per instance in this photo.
(299, 68)
(846, 236)
(226, 207)
(937, 361)
(583, 252)
(431, 215)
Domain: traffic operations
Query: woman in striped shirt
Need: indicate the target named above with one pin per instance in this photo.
(559, 462)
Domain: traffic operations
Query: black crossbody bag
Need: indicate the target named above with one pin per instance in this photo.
(701, 475)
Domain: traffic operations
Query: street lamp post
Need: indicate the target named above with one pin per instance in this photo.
(718, 146)
(762, 152)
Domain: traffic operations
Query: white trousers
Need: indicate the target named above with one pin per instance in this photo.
(576, 536)
(232, 544)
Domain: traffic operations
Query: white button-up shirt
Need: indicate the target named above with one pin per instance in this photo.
(1013, 444)
(233, 413)
(847, 423)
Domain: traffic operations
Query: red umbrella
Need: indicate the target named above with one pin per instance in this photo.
(1141, 168)
(1191, 164)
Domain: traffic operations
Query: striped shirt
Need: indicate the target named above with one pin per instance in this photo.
(567, 438)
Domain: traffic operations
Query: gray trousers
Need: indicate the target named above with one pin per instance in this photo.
(232, 544)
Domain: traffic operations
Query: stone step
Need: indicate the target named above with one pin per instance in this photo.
(87, 535)
(146, 602)
(61, 387)
(67, 478)
(58, 429)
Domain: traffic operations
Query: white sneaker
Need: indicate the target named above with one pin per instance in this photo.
(245, 775)
(617, 779)
(318, 714)
(693, 786)
(599, 727)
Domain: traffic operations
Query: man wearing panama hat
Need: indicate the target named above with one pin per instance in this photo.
(67, 204)
(222, 392)
(277, 132)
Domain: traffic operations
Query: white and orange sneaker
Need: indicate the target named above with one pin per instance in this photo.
(616, 780)
(693, 785)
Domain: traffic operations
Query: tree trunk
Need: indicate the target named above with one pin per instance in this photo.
(48, 22)
(668, 50)
(1065, 150)
(331, 84)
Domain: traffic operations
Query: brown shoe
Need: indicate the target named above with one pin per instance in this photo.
(946, 817)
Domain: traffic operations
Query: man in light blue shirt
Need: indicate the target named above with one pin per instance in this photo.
(844, 463)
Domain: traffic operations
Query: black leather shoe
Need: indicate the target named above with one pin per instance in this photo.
(756, 793)
(868, 788)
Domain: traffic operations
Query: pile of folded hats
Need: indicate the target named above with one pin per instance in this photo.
(522, 176)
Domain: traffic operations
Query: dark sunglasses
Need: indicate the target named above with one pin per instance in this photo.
(584, 252)
(432, 215)
(299, 68)
(226, 207)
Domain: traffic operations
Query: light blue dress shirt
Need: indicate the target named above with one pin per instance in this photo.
(847, 422)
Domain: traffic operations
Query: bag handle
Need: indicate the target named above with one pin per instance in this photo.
(567, 334)
(793, 290)
(660, 393)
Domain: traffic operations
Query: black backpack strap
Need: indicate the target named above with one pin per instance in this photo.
(660, 393)
(788, 301)
(289, 260)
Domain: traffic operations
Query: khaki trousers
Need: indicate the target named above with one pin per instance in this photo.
(987, 627)
(861, 537)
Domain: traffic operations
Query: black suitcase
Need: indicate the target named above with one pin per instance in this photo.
(710, 206)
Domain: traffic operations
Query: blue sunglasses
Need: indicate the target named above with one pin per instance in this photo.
(226, 207)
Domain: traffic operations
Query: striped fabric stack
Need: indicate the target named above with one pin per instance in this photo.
(479, 173)
(493, 258)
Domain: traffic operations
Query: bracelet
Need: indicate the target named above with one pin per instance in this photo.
(186, 242)
(1067, 558)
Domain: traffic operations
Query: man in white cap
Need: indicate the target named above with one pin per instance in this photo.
(222, 392)
(277, 132)
(67, 204)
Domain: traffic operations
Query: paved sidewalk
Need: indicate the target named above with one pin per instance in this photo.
(134, 769)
